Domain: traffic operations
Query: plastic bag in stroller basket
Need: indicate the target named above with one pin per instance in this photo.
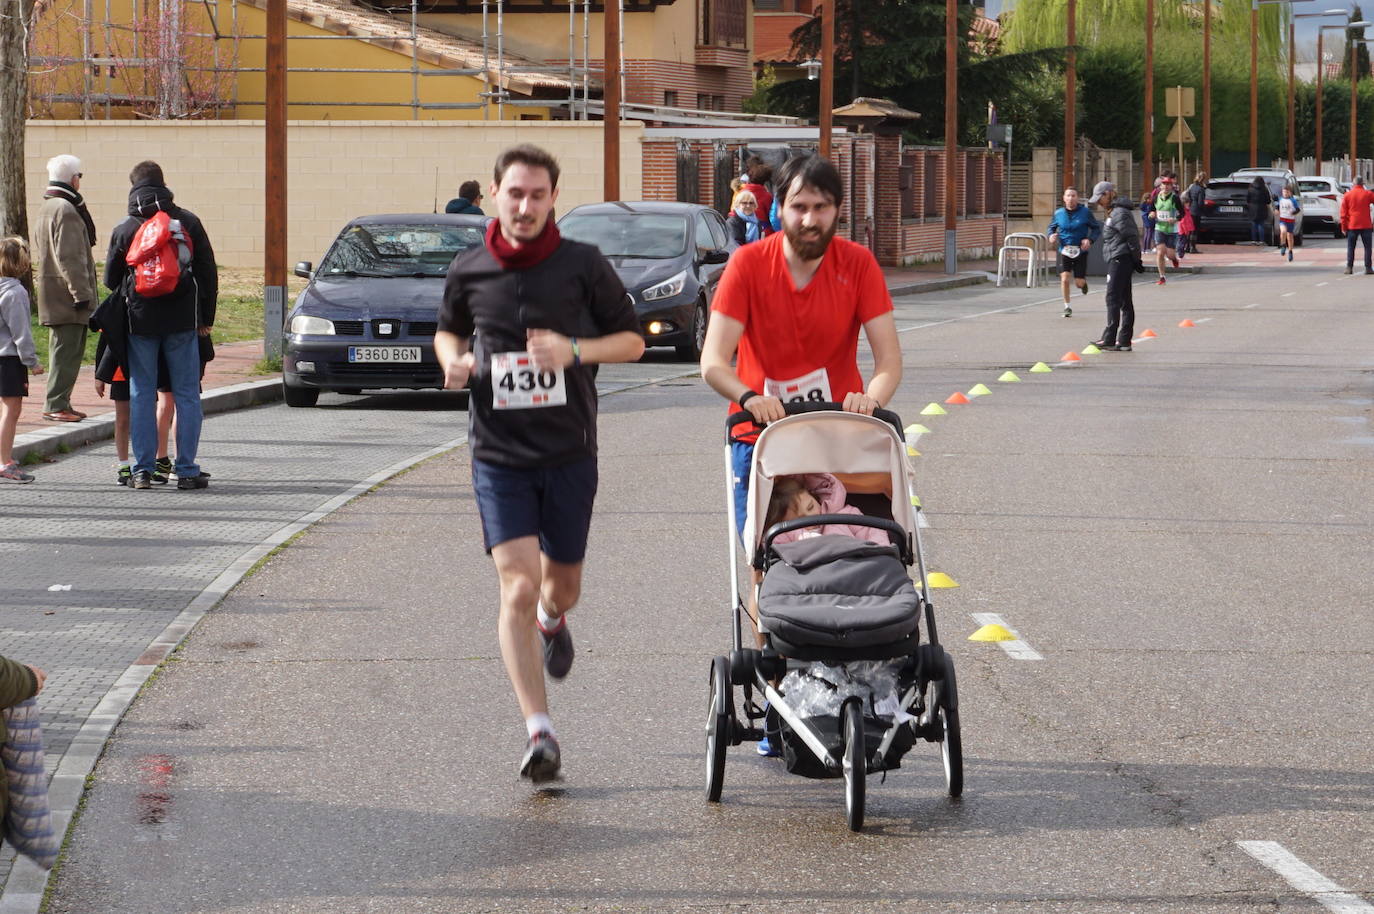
(819, 691)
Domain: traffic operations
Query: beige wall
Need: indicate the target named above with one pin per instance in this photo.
(337, 170)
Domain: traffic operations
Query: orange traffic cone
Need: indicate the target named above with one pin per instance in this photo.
(957, 398)
(1186, 323)
(1071, 356)
(1148, 334)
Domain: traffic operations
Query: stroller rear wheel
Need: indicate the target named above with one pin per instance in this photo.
(951, 739)
(718, 729)
(854, 763)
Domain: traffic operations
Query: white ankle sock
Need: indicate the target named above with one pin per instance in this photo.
(539, 723)
(547, 622)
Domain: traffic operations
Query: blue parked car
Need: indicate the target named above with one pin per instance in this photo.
(368, 316)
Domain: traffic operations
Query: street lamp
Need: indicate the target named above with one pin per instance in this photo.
(1292, 59)
(1321, 67)
(812, 68)
(1070, 90)
(1254, 74)
(1354, 88)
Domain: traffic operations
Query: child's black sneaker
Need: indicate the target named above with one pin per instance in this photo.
(123, 475)
(163, 466)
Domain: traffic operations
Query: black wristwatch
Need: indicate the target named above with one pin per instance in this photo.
(746, 397)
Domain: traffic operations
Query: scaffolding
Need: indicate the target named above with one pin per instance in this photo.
(166, 74)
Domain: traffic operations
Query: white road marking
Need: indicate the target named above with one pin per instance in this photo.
(1202, 320)
(1320, 284)
(1288, 295)
(1305, 879)
(1255, 305)
(1018, 649)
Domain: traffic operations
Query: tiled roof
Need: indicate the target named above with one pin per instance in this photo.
(343, 17)
(773, 36)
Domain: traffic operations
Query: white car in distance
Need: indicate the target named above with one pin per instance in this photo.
(1321, 203)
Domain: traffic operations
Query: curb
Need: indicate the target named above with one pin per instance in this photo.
(937, 285)
(67, 437)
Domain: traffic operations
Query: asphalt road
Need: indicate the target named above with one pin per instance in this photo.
(1181, 533)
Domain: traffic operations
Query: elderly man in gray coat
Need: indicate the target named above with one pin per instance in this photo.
(65, 283)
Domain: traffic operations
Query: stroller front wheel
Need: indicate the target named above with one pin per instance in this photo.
(717, 728)
(855, 764)
(951, 739)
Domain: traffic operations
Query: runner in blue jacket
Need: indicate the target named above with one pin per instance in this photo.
(1072, 231)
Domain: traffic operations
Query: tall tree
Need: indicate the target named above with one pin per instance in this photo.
(1361, 49)
(896, 50)
(15, 16)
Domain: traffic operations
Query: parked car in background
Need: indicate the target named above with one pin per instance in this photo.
(1321, 204)
(1225, 213)
(668, 255)
(368, 316)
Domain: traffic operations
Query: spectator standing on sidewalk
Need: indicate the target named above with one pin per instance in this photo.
(469, 200)
(168, 325)
(1258, 200)
(1355, 222)
(1072, 232)
(66, 284)
(17, 353)
(1196, 198)
(759, 174)
(546, 311)
(1121, 250)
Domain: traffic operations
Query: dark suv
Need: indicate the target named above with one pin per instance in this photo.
(1226, 214)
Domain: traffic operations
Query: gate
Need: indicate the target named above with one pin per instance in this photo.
(688, 174)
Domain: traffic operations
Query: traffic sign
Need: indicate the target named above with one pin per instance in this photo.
(1178, 102)
(1181, 133)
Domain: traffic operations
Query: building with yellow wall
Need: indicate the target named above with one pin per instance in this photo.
(363, 60)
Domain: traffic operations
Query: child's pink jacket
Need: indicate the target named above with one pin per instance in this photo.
(830, 493)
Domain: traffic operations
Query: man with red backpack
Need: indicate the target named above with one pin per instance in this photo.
(160, 259)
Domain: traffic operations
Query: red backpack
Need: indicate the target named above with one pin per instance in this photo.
(159, 254)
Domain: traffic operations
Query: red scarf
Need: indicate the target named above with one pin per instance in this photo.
(529, 254)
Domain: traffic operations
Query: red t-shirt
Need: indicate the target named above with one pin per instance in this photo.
(791, 334)
(765, 201)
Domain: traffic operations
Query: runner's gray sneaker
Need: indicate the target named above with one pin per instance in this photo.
(542, 759)
(558, 649)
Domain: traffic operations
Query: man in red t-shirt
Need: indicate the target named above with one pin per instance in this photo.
(792, 305)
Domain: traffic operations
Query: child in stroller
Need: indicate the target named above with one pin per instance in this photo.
(841, 597)
(809, 495)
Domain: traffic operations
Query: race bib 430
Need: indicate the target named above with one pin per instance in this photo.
(516, 383)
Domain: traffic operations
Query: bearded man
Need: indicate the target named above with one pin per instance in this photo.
(792, 305)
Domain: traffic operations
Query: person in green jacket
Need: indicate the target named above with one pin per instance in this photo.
(18, 681)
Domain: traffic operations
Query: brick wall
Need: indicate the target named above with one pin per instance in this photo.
(337, 170)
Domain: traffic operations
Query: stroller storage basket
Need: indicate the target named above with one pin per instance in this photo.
(832, 597)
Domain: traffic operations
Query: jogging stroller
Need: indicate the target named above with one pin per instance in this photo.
(849, 684)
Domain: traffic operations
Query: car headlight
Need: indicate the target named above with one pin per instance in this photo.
(313, 326)
(666, 289)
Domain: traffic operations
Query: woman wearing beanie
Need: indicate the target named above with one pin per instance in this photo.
(65, 283)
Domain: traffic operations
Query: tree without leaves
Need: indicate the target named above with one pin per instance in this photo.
(15, 16)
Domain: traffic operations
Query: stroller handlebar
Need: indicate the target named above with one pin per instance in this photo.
(905, 549)
(793, 409)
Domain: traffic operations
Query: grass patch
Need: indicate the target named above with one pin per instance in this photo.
(238, 312)
(63, 447)
(32, 458)
(267, 365)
